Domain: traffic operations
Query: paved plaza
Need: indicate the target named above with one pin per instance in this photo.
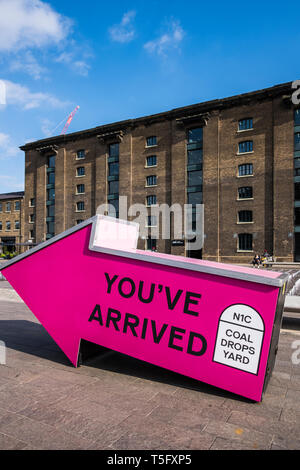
(116, 402)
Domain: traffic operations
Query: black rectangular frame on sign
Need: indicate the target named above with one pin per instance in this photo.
(275, 335)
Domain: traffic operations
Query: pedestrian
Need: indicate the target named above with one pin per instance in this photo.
(256, 260)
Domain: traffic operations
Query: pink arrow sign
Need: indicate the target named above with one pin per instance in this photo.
(213, 322)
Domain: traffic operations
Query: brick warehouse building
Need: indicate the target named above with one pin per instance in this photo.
(240, 156)
(11, 222)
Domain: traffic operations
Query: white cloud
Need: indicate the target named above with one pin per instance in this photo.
(2, 93)
(65, 58)
(7, 147)
(79, 66)
(30, 23)
(168, 41)
(27, 63)
(47, 127)
(20, 95)
(124, 31)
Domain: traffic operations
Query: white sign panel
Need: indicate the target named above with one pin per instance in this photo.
(239, 338)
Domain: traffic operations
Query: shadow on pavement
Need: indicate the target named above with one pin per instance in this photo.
(290, 323)
(120, 363)
(31, 338)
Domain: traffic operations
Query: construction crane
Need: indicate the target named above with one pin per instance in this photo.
(69, 120)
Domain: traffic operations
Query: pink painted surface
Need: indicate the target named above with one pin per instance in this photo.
(62, 283)
(232, 267)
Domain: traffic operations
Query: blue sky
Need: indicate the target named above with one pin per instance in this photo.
(125, 59)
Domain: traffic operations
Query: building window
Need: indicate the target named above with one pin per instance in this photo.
(297, 191)
(8, 225)
(31, 218)
(297, 216)
(1, 207)
(195, 135)
(195, 157)
(195, 178)
(17, 225)
(80, 155)
(151, 180)
(0, 226)
(113, 169)
(80, 206)
(297, 117)
(114, 150)
(245, 242)
(79, 221)
(80, 189)
(31, 234)
(151, 141)
(50, 224)
(245, 216)
(246, 169)
(51, 194)
(113, 187)
(195, 198)
(113, 179)
(151, 244)
(245, 124)
(297, 141)
(32, 202)
(246, 146)
(115, 205)
(51, 178)
(245, 192)
(50, 229)
(80, 171)
(50, 211)
(151, 200)
(8, 207)
(51, 161)
(152, 221)
(17, 205)
(151, 161)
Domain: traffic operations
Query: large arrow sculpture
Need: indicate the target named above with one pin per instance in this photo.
(213, 322)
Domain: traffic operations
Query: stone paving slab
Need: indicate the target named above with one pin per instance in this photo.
(8, 294)
(117, 402)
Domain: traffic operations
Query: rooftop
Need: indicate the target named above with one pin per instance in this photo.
(15, 195)
(176, 113)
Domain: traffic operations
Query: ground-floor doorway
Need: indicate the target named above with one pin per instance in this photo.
(8, 244)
